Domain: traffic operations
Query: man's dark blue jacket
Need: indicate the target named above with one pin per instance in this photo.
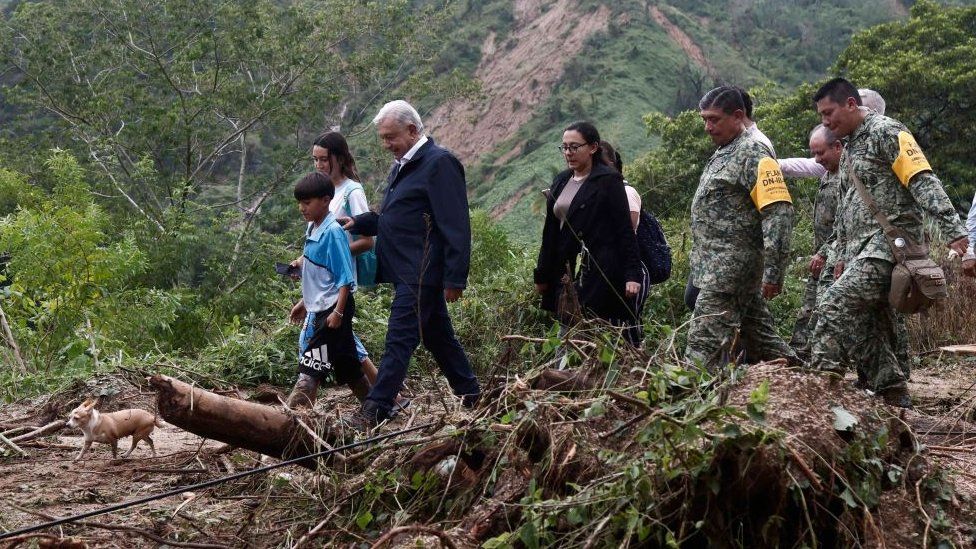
(423, 230)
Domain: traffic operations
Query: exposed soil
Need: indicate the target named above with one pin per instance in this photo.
(516, 75)
(681, 38)
(254, 511)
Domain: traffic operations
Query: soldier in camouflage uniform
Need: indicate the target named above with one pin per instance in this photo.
(856, 325)
(741, 222)
(826, 149)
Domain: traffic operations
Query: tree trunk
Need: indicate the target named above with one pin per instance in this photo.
(239, 423)
(8, 336)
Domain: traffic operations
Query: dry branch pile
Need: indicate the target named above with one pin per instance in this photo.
(624, 449)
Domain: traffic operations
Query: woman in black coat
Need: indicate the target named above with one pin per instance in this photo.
(588, 226)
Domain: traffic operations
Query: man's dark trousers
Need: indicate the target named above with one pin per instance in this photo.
(405, 330)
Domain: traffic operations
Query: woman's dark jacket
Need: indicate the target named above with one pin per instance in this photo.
(599, 217)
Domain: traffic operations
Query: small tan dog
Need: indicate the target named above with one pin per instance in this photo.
(109, 428)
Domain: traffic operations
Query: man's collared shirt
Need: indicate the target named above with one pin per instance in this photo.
(413, 150)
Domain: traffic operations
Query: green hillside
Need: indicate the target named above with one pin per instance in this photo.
(636, 65)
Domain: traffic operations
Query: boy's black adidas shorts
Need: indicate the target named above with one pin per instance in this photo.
(330, 354)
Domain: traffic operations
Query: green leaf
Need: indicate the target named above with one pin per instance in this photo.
(848, 497)
(417, 480)
(757, 402)
(597, 409)
(529, 535)
(497, 542)
(363, 520)
(843, 420)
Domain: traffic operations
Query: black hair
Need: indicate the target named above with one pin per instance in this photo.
(590, 136)
(338, 149)
(727, 98)
(612, 157)
(314, 185)
(746, 101)
(838, 90)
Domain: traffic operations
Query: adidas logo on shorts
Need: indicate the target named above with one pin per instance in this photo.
(317, 359)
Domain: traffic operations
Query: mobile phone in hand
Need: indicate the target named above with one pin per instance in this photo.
(286, 269)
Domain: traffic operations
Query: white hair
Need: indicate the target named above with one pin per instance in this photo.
(872, 100)
(829, 137)
(402, 112)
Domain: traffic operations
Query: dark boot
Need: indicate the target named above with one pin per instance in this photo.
(366, 418)
(470, 401)
(303, 393)
(897, 396)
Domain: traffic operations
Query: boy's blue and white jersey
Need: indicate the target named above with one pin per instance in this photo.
(327, 266)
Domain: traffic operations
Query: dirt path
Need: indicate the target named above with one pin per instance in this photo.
(50, 483)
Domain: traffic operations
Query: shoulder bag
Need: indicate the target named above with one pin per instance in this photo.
(916, 281)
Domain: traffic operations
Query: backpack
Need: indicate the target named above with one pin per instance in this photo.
(365, 262)
(654, 250)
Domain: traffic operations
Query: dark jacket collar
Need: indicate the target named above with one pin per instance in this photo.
(420, 152)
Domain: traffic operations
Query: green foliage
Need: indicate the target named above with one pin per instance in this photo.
(15, 191)
(73, 293)
(924, 68)
(668, 175)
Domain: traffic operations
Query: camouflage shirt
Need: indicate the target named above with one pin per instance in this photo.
(824, 211)
(892, 167)
(741, 219)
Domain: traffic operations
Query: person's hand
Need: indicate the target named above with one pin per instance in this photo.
(453, 294)
(969, 265)
(298, 312)
(541, 287)
(839, 269)
(960, 245)
(345, 222)
(817, 264)
(769, 291)
(631, 289)
(334, 320)
(297, 264)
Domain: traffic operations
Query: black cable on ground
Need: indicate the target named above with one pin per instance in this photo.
(209, 483)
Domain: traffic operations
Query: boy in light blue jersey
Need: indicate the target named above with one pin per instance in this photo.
(327, 348)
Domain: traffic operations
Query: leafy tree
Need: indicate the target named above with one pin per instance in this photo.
(925, 68)
(668, 175)
(74, 294)
(183, 104)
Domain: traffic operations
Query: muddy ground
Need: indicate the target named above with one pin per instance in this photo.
(252, 512)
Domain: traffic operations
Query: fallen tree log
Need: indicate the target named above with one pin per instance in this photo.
(243, 424)
(48, 429)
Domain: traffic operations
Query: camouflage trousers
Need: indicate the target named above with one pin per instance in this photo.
(855, 327)
(806, 321)
(719, 316)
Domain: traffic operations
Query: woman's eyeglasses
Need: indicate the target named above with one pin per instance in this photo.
(570, 148)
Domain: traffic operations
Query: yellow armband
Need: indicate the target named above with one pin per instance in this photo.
(770, 186)
(910, 159)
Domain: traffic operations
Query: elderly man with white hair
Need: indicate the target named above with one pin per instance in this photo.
(423, 248)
